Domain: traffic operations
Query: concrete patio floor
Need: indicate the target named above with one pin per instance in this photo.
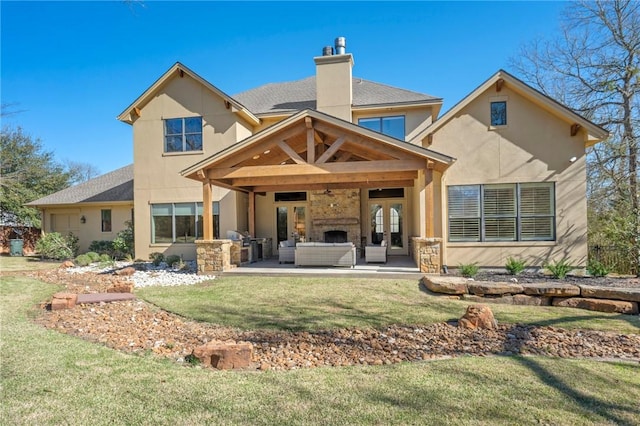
(396, 267)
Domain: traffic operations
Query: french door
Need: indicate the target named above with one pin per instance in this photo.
(386, 222)
(291, 222)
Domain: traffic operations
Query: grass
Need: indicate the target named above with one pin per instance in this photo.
(304, 303)
(53, 378)
(25, 263)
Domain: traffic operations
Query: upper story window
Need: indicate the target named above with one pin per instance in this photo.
(392, 126)
(502, 212)
(183, 134)
(499, 113)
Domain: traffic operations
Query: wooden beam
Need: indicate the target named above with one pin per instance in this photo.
(291, 153)
(342, 185)
(305, 180)
(252, 214)
(575, 128)
(343, 157)
(207, 211)
(430, 138)
(332, 150)
(317, 137)
(137, 111)
(311, 146)
(291, 170)
(499, 84)
(430, 164)
(200, 174)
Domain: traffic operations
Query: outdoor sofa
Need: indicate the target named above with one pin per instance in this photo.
(325, 254)
(376, 253)
(286, 250)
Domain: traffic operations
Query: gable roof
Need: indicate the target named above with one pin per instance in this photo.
(595, 133)
(293, 96)
(179, 69)
(301, 117)
(112, 187)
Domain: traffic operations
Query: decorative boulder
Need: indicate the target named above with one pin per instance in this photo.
(126, 272)
(67, 264)
(478, 316)
(63, 301)
(224, 356)
(120, 287)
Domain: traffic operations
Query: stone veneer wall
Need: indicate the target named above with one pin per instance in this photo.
(338, 210)
(213, 256)
(426, 254)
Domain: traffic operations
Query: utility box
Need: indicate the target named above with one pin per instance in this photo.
(15, 247)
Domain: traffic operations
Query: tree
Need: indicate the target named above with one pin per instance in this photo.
(27, 172)
(594, 68)
(80, 172)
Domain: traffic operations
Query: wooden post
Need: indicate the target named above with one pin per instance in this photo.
(311, 141)
(207, 211)
(252, 214)
(428, 190)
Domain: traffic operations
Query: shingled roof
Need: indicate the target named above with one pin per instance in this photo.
(115, 186)
(293, 96)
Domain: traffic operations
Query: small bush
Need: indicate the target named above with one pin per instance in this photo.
(597, 269)
(468, 270)
(156, 258)
(559, 269)
(93, 256)
(83, 260)
(74, 243)
(55, 246)
(105, 258)
(123, 244)
(102, 247)
(172, 260)
(514, 266)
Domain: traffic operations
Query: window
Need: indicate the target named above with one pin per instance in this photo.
(180, 222)
(499, 113)
(106, 220)
(505, 212)
(183, 134)
(392, 126)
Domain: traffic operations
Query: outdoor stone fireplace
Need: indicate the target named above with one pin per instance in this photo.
(335, 214)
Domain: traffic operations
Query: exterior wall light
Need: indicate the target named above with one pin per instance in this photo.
(83, 219)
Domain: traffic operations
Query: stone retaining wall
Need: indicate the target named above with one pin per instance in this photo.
(213, 256)
(594, 298)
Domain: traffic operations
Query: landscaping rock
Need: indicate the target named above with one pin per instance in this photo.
(525, 300)
(478, 316)
(498, 288)
(120, 287)
(63, 301)
(446, 285)
(600, 305)
(224, 356)
(616, 293)
(67, 264)
(503, 300)
(125, 272)
(551, 289)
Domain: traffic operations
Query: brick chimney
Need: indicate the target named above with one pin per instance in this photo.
(334, 91)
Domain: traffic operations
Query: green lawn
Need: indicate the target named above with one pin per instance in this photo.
(304, 303)
(53, 378)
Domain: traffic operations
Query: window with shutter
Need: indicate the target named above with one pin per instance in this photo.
(499, 208)
(504, 212)
(464, 213)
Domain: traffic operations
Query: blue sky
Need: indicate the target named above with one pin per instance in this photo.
(72, 67)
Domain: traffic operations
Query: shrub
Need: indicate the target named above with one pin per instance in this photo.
(156, 258)
(74, 243)
(123, 244)
(172, 260)
(93, 256)
(514, 266)
(559, 269)
(102, 247)
(597, 269)
(54, 246)
(468, 270)
(83, 260)
(105, 258)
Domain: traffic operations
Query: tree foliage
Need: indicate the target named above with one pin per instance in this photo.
(27, 172)
(594, 68)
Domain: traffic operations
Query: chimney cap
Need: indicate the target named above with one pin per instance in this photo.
(341, 45)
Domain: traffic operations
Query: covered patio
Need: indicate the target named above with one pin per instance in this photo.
(320, 155)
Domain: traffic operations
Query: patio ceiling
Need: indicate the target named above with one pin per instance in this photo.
(311, 150)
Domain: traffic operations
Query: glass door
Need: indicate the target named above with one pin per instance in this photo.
(387, 223)
(291, 223)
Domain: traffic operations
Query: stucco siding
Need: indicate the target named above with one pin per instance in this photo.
(534, 146)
